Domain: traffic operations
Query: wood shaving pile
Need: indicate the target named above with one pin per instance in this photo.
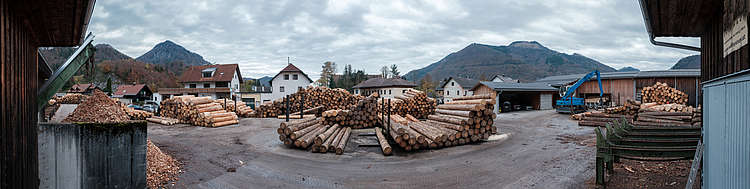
(74, 98)
(98, 108)
(161, 169)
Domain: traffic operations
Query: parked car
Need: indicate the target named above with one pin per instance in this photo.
(148, 108)
(135, 107)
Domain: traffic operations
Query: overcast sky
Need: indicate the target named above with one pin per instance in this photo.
(260, 35)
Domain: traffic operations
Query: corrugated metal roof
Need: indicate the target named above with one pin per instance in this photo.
(505, 86)
(381, 82)
(564, 79)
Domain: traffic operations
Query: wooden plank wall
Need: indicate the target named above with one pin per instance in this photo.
(691, 86)
(18, 80)
(713, 62)
(619, 89)
(622, 89)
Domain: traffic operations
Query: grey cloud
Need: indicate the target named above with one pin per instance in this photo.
(260, 35)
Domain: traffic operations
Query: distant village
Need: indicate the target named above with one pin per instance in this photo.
(224, 81)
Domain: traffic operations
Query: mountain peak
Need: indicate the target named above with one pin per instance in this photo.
(690, 62)
(628, 69)
(169, 52)
(527, 44)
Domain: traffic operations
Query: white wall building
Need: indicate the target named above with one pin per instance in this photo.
(457, 87)
(288, 81)
(216, 81)
(386, 88)
(504, 79)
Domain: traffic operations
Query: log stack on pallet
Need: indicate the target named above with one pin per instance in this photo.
(364, 114)
(661, 93)
(311, 134)
(200, 111)
(415, 103)
(316, 96)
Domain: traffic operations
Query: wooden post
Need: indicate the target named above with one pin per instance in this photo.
(302, 106)
(286, 100)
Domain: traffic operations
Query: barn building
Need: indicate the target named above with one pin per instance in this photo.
(24, 27)
(725, 74)
(621, 86)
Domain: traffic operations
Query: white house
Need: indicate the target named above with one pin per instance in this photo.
(216, 81)
(456, 87)
(288, 81)
(386, 88)
(504, 79)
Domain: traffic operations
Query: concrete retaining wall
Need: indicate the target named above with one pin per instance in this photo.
(92, 155)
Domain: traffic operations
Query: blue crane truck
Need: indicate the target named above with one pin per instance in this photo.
(570, 104)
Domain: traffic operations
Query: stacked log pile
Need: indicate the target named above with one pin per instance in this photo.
(315, 96)
(653, 114)
(661, 93)
(364, 114)
(163, 120)
(242, 110)
(600, 119)
(136, 114)
(474, 113)
(200, 111)
(628, 111)
(311, 134)
(415, 103)
(698, 117)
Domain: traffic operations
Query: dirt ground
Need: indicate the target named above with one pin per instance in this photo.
(544, 150)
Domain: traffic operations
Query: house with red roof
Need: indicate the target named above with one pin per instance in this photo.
(288, 81)
(83, 88)
(217, 81)
(129, 94)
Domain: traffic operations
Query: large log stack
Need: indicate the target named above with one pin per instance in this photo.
(364, 114)
(628, 111)
(313, 97)
(653, 114)
(136, 114)
(200, 111)
(241, 109)
(661, 93)
(311, 134)
(415, 103)
(474, 113)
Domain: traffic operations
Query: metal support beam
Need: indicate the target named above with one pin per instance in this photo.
(64, 73)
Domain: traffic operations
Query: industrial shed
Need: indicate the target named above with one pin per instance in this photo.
(725, 72)
(539, 96)
(621, 86)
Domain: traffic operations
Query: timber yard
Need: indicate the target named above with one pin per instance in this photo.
(80, 115)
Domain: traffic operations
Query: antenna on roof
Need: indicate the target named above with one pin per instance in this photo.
(287, 61)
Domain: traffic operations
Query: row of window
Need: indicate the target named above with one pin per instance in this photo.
(294, 77)
(208, 85)
(281, 89)
(448, 93)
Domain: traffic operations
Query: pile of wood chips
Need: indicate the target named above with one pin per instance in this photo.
(311, 133)
(362, 115)
(74, 98)
(242, 109)
(98, 108)
(661, 93)
(330, 99)
(415, 103)
(161, 169)
(200, 111)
